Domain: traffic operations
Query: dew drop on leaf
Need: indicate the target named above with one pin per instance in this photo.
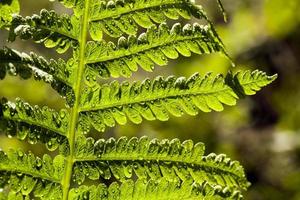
(38, 163)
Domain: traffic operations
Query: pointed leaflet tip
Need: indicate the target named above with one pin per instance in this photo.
(273, 78)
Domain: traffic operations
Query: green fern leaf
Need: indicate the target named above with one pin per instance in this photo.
(48, 28)
(26, 174)
(57, 73)
(24, 63)
(172, 160)
(117, 18)
(154, 47)
(154, 189)
(115, 103)
(143, 168)
(34, 123)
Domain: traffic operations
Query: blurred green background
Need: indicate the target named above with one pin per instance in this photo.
(262, 131)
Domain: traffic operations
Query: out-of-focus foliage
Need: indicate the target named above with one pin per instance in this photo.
(263, 132)
(282, 17)
(7, 8)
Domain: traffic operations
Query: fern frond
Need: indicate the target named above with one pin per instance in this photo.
(48, 28)
(58, 74)
(154, 189)
(155, 46)
(154, 159)
(34, 123)
(27, 174)
(155, 99)
(117, 18)
(133, 168)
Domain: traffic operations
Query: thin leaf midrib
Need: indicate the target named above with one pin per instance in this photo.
(59, 32)
(141, 158)
(30, 173)
(37, 123)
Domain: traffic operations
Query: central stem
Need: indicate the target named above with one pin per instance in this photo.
(75, 110)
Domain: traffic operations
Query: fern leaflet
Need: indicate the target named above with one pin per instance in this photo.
(154, 46)
(48, 27)
(172, 160)
(160, 190)
(25, 173)
(154, 99)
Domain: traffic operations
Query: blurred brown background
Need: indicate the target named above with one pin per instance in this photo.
(263, 131)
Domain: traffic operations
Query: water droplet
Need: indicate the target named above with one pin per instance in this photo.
(12, 112)
(38, 163)
(62, 114)
(20, 153)
(32, 139)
